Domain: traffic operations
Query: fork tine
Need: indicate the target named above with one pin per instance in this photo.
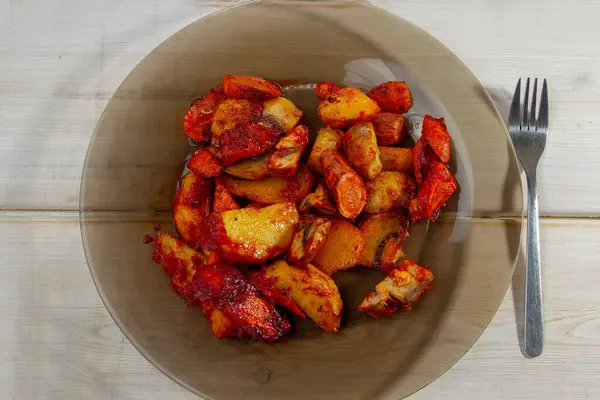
(525, 120)
(542, 122)
(514, 115)
(533, 104)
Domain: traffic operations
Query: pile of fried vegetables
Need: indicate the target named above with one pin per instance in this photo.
(264, 220)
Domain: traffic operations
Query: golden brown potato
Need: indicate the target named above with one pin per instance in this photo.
(346, 186)
(223, 201)
(283, 111)
(249, 87)
(384, 235)
(308, 239)
(249, 234)
(403, 286)
(396, 159)
(312, 290)
(289, 149)
(327, 138)
(390, 128)
(252, 168)
(192, 204)
(360, 148)
(272, 190)
(179, 263)
(233, 113)
(389, 190)
(342, 249)
(319, 201)
(346, 106)
(392, 96)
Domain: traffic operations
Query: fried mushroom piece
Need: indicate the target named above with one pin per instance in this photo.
(402, 287)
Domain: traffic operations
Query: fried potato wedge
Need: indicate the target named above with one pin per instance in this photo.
(273, 189)
(318, 201)
(384, 235)
(226, 289)
(346, 106)
(390, 128)
(435, 134)
(312, 290)
(198, 119)
(392, 96)
(221, 325)
(433, 194)
(346, 186)
(191, 206)
(205, 164)
(310, 236)
(250, 87)
(289, 149)
(402, 287)
(251, 168)
(283, 111)
(360, 148)
(398, 159)
(232, 114)
(248, 141)
(266, 287)
(327, 138)
(249, 234)
(179, 262)
(223, 201)
(342, 248)
(389, 190)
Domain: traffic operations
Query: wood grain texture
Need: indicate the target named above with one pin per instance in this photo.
(57, 341)
(62, 60)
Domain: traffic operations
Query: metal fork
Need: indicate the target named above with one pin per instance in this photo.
(528, 134)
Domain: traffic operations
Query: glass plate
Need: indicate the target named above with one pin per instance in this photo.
(137, 154)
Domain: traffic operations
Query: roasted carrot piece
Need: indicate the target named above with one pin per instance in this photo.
(226, 289)
(198, 118)
(392, 96)
(433, 194)
(346, 186)
(250, 87)
(205, 164)
(223, 201)
(390, 128)
(324, 89)
(423, 157)
(435, 134)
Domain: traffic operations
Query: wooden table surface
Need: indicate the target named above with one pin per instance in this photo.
(60, 62)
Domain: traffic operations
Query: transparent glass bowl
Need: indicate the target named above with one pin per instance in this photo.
(137, 155)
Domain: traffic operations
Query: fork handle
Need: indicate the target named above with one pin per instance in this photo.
(534, 318)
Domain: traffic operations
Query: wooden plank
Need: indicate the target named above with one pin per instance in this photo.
(58, 341)
(54, 86)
